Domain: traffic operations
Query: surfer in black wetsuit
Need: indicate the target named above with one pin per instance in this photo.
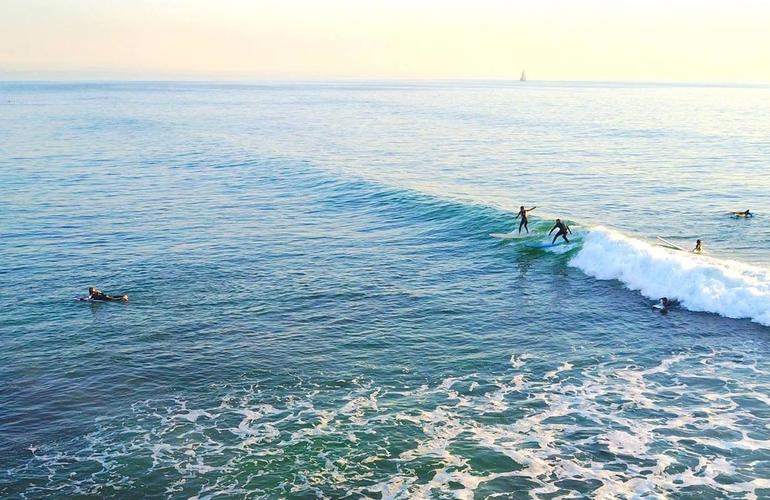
(94, 294)
(745, 213)
(523, 214)
(563, 230)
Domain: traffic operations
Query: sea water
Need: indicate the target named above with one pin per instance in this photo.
(317, 308)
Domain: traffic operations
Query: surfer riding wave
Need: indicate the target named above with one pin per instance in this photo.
(563, 230)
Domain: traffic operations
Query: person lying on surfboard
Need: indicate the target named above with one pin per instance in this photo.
(563, 230)
(524, 220)
(94, 294)
(698, 247)
(745, 213)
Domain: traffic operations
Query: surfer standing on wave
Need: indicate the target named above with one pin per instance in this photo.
(523, 214)
(563, 230)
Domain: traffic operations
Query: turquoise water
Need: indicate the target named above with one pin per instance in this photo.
(317, 308)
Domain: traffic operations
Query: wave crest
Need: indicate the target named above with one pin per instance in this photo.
(700, 283)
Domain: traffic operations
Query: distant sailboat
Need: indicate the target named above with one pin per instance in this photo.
(523, 76)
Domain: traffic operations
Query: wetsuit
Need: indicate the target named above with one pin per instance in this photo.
(97, 295)
(524, 220)
(563, 230)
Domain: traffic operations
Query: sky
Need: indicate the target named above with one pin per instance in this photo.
(674, 40)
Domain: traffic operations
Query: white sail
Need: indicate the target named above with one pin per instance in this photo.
(523, 76)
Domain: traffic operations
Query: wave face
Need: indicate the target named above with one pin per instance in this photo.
(700, 283)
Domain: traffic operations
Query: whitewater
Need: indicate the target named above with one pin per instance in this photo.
(698, 282)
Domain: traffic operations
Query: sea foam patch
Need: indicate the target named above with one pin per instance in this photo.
(367, 440)
(700, 283)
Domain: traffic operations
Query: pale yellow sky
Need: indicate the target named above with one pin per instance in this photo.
(676, 40)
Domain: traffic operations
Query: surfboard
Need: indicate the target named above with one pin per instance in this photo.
(508, 236)
(668, 244)
(543, 245)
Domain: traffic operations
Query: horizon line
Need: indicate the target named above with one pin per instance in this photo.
(363, 80)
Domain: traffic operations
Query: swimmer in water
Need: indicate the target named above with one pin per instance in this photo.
(94, 294)
(563, 230)
(523, 214)
(663, 304)
(698, 247)
(745, 213)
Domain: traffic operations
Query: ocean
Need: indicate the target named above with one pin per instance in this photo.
(317, 308)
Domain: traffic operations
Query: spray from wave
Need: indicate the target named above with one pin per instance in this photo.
(700, 283)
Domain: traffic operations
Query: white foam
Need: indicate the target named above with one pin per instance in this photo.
(550, 441)
(623, 443)
(729, 288)
(563, 368)
(518, 362)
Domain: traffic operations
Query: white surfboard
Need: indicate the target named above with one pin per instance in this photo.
(669, 244)
(508, 236)
(545, 245)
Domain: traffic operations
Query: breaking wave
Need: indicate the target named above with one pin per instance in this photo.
(700, 283)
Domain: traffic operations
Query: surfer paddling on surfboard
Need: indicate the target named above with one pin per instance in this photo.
(745, 213)
(563, 230)
(523, 214)
(94, 294)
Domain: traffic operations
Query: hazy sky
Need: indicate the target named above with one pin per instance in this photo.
(675, 40)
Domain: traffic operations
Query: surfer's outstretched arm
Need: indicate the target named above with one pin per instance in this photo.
(554, 227)
(530, 209)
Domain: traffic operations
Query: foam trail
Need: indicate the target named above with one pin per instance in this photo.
(699, 283)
